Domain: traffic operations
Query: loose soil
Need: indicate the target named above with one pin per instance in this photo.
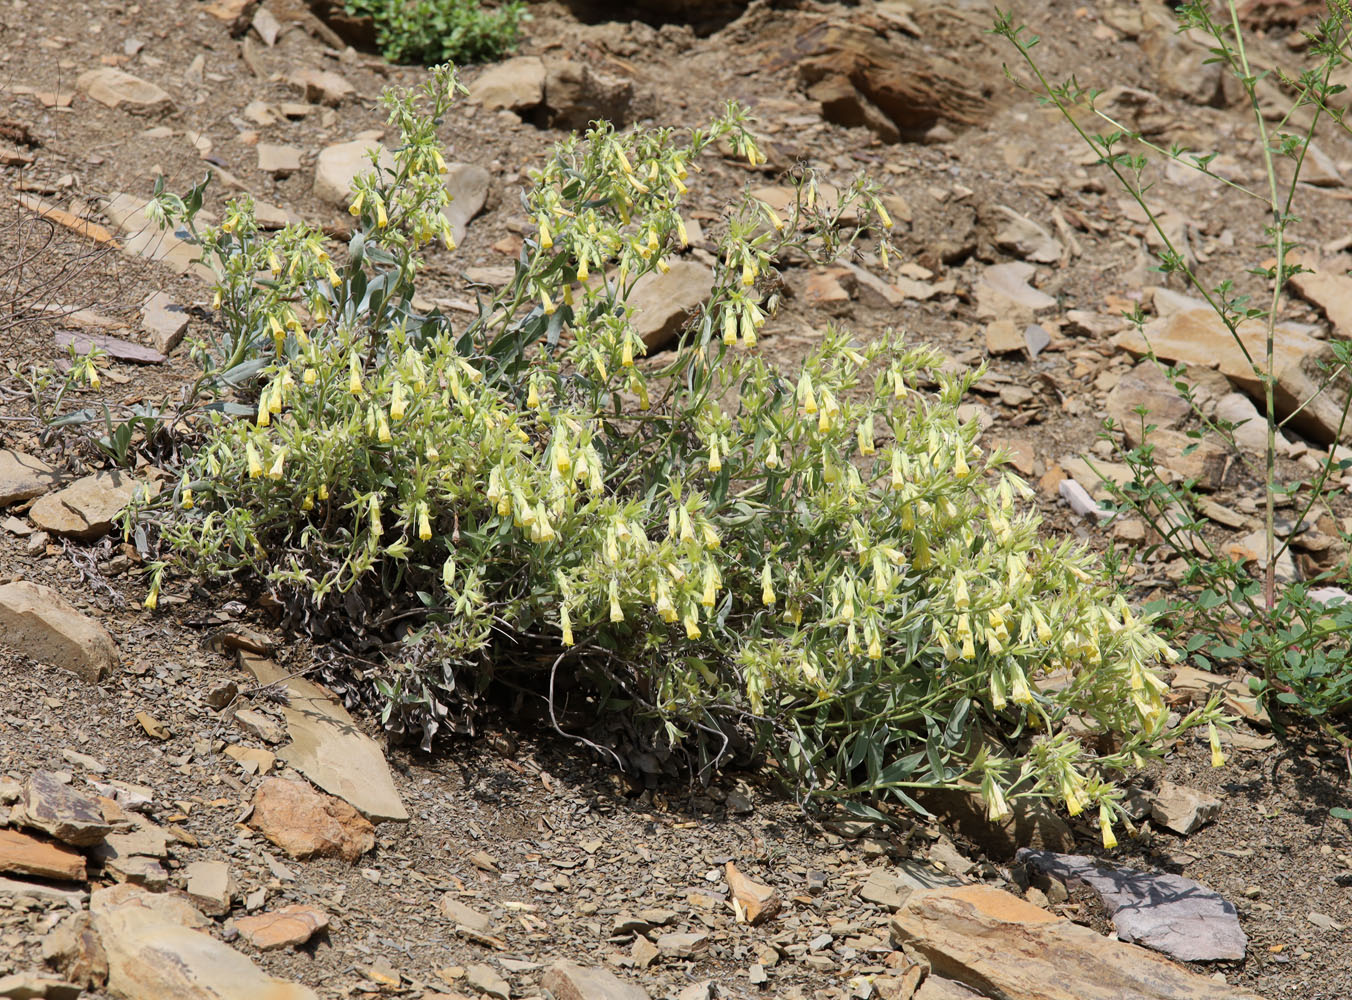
(572, 843)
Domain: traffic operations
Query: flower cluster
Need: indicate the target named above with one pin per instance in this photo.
(826, 557)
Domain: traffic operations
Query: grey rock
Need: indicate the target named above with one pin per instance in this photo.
(1168, 913)
(165, 320)
(485, 979)
(891, 886)
(57, 809)
(1080, 501)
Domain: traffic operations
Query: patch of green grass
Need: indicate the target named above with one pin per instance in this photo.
(436, 31)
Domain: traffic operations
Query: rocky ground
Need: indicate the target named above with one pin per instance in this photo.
(167, 822)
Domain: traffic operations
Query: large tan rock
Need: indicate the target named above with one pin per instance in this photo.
(23, 477)
(328, 748)
(112, 87)
(513, 84)
(86, 508)
(337, 166)
(306, 824)
(74, 950)
(38, 622)
(467, 184)
(1197, 337)
(289, 927)
(1003, 946)
(570, 981)
(144, 238)
(25, 855)
(155, 950)
(664, 303)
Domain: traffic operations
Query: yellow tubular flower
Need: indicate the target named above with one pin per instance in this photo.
(627, 354)
(715, 460)
(275, 394)
(546, 303)
(711, 539)
(185, 494)
(748, 272)
(997, 686)
(882, 213)
(382, 220)
(278, 462)
(806, 396)
(960, 467)
(355, 207)
(1018, 686)
(448, 572)
(323, 492)
(264, 413)
(767, 586)
(310, 376)
(691, 622)
(1106, 826)
(1217, 757)
(898, 480)
(565, 625)
(398, 401)
(710, 594)
(424, 523)
(687, 525)
(255, 463)
(383, 428)
(865, 435)
(997, 808)
(680, 224)
(616, 612)
(377, 528)
(153, 598)
(875, 647)
(729, 326)
(354, 376)
(961, 599)
(772, 459)
(308, 503)
(546, 240)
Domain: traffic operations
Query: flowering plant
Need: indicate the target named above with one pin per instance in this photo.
(826, 562)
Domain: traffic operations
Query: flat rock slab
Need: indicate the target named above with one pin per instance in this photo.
(892, 886)
(121, 350)
(289, 927)
(467, 184)
(112, 87)
(570, 981)
(43, 892)
(663, 303)
(21, 854)
(57, 809)
(340, 164)
(87, 507)
(1197, 337)
(1003, 946)
(39, 623)
(1169, 913)
(513, 84)
(328, 748)
(23, 477)
(155, 950)
(1182, 809)
(165, 320)
(306, 824)
(144, 238)
(211, 886)
(26, 986)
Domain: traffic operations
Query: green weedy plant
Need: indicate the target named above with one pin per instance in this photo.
(1298, 646)
(436, 31)
(827, 564)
